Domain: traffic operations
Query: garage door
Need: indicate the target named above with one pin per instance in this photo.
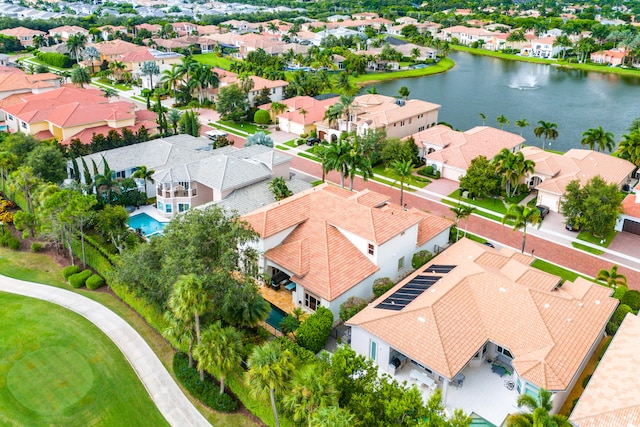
(631, 226)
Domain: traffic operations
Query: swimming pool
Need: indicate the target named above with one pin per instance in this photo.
(148, 225)
(275, 317)
(3, 128)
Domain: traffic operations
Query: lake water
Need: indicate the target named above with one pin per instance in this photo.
(574, 100)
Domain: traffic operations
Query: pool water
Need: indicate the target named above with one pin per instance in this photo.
(275, 317)
(3, 128)
(148, 225)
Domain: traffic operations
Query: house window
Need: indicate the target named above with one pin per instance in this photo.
(402, 123)
(120, 174)
(183, 207)
(168, 207)
(273, 91)
(311, 301)
(409, 121)
(400, 263)
(184, 184)
(24, 125)
(370, 249)
(373, 350)
(504, 351)
(10, 117)
(160, 206)
(421, 128)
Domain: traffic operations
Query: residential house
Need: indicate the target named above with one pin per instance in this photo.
(330, 244)
(63, 33)
(64, 112)
(113, 49)
(303, 112)
(367, 16)
(337, 32)
(154, 29)
(24, 35)
(337, 18)
(629, 219)
(542, 48)
(611, 396)
(466, 35)
(451, 152)
(108, 32)
(612, 57)
(184, 28)
(15, 81)
(399, 118)
(135, 59)
(554, 171)
(484, 326)
(227, 78)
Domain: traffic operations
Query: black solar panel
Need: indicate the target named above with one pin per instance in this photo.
(410, 291)
(442, 269)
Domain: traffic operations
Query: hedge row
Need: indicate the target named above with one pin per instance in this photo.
(78, 280)
(93, 257)
(314, 332)
(55, 59)
(94, 282)
(96, 245)
(206, 391)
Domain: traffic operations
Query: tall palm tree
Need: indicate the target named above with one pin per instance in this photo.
(75, 44)
(80, 76)
(404, 92)
(539, 415)
(201, 78)
(106, 182)
(629, 147)
(333, 416)
(597, 137)
(181, 333)
(270, 369)
(345, 85)
(171, 79)
(612, 277)
(522, 216)
(502, 120)
(546, 130)
(401, 169)
(336, 158)
(174, 118)
(310, 389)
(522, 124)
(483, 117)
(219, 352)
(145, 174)
(189, 300)
(117, 67)
(462, 212)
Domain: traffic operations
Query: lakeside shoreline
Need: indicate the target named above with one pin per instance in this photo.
(444, 65)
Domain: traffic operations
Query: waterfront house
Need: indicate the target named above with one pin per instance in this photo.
(629, 219)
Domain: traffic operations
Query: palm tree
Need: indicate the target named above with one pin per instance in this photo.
(483, 117)
(150, 68)
(629, 147)
(310, 389)
(522, 216)
(201, 77)
(219, 352)
(539, 415)
(270, 368)
(80, 76)
(335, 158)
(333, 416)
(145, 174)
(564, 42)
(180, 332)
(174, 118)
(502, 120)
(598, 137)
(190, 299)
(171, 79)
(546, 130)
(91, 53)
(105, 182)
(401, 169)
(75, 44)
(345, 85)
(462, 212)
(117, 67)
(512, 167)
(611, 277)
(522, 124)
(404, 92)
(109, 92)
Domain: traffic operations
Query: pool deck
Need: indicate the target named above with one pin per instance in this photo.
(151, 211)
(281, 299)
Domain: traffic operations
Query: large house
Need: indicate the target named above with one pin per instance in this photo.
(611, 396)
(228, 78)
(14, 81)
(188, 173)
(629, 219)
(67, 111)
(484, 326)
(554, 171)
(302, 114)
(451, 152)
(330, 243)
(24, 35)
(397, 117)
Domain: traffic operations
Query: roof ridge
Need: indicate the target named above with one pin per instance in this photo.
(327, 258)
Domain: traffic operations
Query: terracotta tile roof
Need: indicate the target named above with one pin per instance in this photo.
(22, 32)
(114, 47)
(631, 205)
(578, 164)
(379, 111)
(315, 109)
(86, 135)
(15, 79)
(137, 55)
(460, 148)
(478, 301)
(611, 397)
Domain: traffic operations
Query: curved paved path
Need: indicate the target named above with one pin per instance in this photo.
(165, 393)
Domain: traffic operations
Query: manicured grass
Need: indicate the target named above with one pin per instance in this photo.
(412, 181)
(247, 127)
(442, 66)
(556, 270)
(214, 60)
(560, 63)
(586, 236)
(282, 147)
(59, 369)
(309, 156)
(291, 143)
(496, 205)
(41, 269)
(35, 60)
(119, 86)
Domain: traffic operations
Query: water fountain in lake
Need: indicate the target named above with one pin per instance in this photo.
(529, 82)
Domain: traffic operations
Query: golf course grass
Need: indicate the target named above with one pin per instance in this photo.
(57, 368)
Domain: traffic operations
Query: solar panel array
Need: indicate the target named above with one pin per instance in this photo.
(410, 291)
(440, 269)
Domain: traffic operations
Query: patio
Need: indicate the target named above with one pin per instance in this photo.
(281, 298)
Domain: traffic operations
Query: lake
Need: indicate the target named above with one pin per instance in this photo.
(575, 100)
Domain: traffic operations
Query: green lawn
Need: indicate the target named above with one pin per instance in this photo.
(557, 270)
(442, 66)
(247, 127)
(119, 86)
(412, 181)
(586, 236)
(214, 60)
(60, 369)
(35, 60)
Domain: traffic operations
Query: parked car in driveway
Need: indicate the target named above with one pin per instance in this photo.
(571, 226)
(544, 210)
(313, 141)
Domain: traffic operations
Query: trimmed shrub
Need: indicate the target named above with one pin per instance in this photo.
(313, 333)
(262, 117)
(632, 299)
(381, 285)
(420, 258)
(612, 328)
(79, 279)
(351, 307)
(620, 313)
(303, 355)
(619, 292)
(13, 243)
(70, 271)
(56, 59)
(94, 282)
(206, 391)
(36, 247)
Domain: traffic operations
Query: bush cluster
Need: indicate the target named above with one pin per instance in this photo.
(429, 171)
(70, 271)
(7, 240)
(351, 307)
(313, 333)
(78, 280)
(381, 285)
(420, 258)
(301, 354)
(94, 282)
(36, 246)
(55, 59)
(206, 391)
(632, 299)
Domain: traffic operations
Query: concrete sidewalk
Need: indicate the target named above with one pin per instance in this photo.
(172, 403)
